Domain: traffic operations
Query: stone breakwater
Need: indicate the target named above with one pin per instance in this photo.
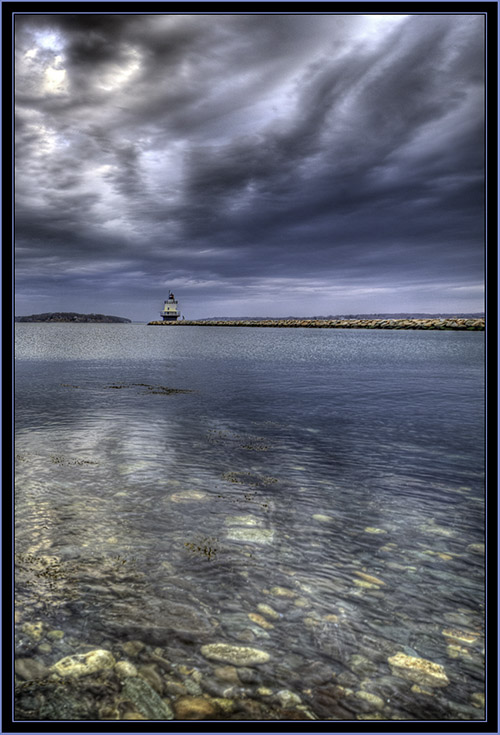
(442, 324)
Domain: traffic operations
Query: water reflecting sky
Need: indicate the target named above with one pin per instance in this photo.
(223, 462)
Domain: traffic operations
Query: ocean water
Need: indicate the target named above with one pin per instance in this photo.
(317, 495)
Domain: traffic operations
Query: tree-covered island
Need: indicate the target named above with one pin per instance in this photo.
(69, 316)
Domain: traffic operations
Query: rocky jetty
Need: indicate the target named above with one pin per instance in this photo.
(70, 316)
(453, 324)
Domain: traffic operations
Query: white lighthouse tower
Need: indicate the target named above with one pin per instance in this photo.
(170, 311)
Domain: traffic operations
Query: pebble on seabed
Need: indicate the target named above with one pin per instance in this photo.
(228, 674)
(369, 578)
(260, 620)
(251, 535)
(144, 698)
(194, 708)
(236, 655)
(477, 699)
(55, 635)
(419, 670)
(81, 664)
(431, 527)
(287, 698)
(33, 630)
(133, 716)
(456, 651)
(283, 592)
(460, 635)
(476, 548)
(371, 699)
(367, 585)
(188, 496)
(125, 668)
(420, 690)
(246, 520)
(268, 610)
(322, 518)
(29, 669)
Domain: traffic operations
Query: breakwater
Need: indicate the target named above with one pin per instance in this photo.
(441, 324)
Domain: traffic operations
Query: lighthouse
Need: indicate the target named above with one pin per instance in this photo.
(170, 311)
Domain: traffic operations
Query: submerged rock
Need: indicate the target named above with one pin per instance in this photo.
(82, 664)
(228, 674)
(462, 636)
(249, 676)
(192, 687)
(453, 650)
(125, 668)
(33, 630)
(287, 698)
(268, 610)
(236, 655)
(146, 700)
(420, 690)
(194, 708)
(133, 648)
(283, 592)
(369, 578)
(260, 620)
(476, 548)
(322, 518)
(55, 635)
(419, 670)
(152, 677)
(264, 692)
(246, 520)
(30, 668)
(188, 496)
(133, 716)
(478, 699)
(372, 701)
(362, 666)
(251, 535)
(367, 585)
(176, 619)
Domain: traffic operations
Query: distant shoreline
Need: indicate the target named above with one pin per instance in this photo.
(70, 317)
(450, 324)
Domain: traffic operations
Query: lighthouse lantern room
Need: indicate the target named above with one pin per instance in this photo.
(170, 311)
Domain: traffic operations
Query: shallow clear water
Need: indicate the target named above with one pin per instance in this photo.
(343, 466)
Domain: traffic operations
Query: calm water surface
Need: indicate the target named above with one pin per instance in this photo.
(173, 484)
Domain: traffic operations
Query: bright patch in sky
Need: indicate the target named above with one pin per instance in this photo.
(374, 26)
(54, 81)
(119, 75)
(49, 40)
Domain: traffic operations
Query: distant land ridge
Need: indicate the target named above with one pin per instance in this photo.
(398, 315)
(72, 317)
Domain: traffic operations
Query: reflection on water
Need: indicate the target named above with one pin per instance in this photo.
(318, 498)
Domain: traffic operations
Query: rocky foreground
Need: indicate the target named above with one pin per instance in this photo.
(138, 682)
(458, 324)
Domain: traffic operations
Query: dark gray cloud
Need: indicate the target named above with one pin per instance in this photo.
(255, 164)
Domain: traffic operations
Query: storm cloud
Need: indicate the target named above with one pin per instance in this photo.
(253, 164)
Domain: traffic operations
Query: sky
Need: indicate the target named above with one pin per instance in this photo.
(255, 165)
